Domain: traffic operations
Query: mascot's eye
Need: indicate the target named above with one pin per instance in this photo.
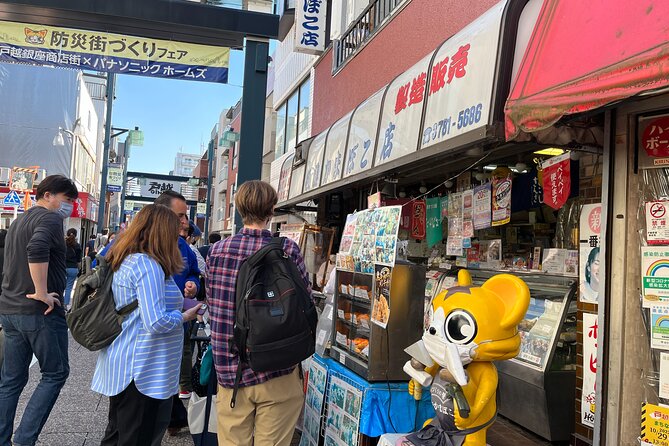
(460, 327)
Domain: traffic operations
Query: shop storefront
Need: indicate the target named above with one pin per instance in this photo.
(429, 150)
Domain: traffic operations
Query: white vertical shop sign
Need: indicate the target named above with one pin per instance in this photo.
(461, 78)
(590, 334)
(362, 136)
(333, 163)
(402, 112)
(312, 176)
(296, 181)
(310, 24)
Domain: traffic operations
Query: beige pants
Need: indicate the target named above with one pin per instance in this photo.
(264, 415)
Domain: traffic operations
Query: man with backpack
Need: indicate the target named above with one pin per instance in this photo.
(263, 325)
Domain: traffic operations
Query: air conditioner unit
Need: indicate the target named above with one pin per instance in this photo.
(41, 175)
(5, 173)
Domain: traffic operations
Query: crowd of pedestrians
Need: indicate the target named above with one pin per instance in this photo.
(146, 371)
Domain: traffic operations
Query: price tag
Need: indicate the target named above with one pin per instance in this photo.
(342, 359)
(340, 314)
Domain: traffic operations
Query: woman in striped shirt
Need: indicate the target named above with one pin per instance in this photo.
(139, 371)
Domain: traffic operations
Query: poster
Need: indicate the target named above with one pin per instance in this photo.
(653, 145)
(590, 332)
(482, 202)
(343, 420)
(654, 425)
(556, 180)
(313, 404)
(657, 228)
(444, 207)
(659, 326)
(455, 206)
(381, 304)
(467, 204)
(655, 274)
(455, 226)
(434, 231)
(664, 375)
(467, 229)
(490, 254)
(418, 220)
(590, 239)
(292, 231)
(454, 246)
(501, 201)
(554, 261)
(386, 220)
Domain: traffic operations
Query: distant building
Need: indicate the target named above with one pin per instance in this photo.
(184, 163)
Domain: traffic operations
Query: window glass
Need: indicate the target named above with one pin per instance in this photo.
(305, 95)
(291, 123)
(280, 147)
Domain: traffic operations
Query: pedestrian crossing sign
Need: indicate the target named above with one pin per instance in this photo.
(12, 199)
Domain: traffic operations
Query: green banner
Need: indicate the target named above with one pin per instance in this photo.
(433, 216)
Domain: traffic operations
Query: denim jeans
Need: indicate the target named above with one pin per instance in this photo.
(45, 337)
(71, 277)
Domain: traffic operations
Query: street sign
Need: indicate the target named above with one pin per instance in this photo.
(201, 210)
(114, 179)
(12, 199)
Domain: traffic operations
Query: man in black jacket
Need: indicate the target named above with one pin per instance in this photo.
(31, 309)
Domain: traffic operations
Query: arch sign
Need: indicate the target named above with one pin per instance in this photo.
(112, 53)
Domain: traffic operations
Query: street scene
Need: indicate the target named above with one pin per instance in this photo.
(334, 223)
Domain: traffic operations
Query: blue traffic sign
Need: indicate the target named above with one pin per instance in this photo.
(12, 199)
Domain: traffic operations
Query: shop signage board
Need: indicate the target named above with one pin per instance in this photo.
(590, 336)
(654, 425)
(434, 229)
(461, 80)
(21, 178)
(333, 163)
(297, 181)
(111, 53)
(501, 201)
(310, 26)
(283, 190)
(362, 135)
(80, 206)
(114, 179)
(557, 180)
(401, 115)
(655, 274)
(312, 176)
(657, 222)
(418, 220)
(589, 253)
(653, 144)
(153, 188)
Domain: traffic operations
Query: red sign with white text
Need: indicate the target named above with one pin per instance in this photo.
(418, 220)
(557, 180)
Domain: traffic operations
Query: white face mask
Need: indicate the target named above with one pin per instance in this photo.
(65, 209)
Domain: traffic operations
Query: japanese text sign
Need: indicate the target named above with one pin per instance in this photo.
(362, 135)
(312, 176)
(401, 115)
(461, 80)
(284, 178)
(653, 142)
(655, 274)
(112, 53)
(114, 179)
(310, 22)
(590, 259)
(557, 180)
(333, 164)
(657, 226)
(434, 226)
(418, 220)
(654, 425)
(501, 201)
(153, 188)
(590, 334)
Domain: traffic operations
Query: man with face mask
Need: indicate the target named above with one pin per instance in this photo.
(31, 309)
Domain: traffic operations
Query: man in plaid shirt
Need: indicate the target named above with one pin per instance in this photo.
(268, 404)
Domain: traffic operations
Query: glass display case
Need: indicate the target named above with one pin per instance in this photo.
(367, 348)
(537, 388)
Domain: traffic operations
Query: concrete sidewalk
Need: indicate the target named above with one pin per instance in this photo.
(80, 415)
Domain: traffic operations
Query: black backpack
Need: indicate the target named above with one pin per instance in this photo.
(275, 317)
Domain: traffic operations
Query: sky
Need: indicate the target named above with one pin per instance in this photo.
(174, 115)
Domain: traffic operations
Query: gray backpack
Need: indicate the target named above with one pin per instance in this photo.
(93, 319)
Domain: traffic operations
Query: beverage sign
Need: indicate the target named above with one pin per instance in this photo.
(657, 223)
(557, 180)
(501, 201)
(653, 142)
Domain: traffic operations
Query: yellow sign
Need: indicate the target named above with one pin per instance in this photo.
(108, 52)
(654, 425)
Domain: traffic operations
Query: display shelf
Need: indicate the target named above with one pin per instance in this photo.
(357, 300)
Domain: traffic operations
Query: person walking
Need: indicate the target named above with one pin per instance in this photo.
(204, 250)
(139, 371)
(267, 404)
(90, 247)
(73, 257)
(31, 310)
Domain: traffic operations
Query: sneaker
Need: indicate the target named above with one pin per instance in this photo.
(184, 395)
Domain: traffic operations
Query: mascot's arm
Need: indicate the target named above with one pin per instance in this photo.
(480, 390)
(413, 384)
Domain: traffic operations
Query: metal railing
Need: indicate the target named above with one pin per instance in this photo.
(366, 25)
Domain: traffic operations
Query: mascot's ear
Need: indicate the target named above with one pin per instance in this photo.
(514, 293)
(464, 278)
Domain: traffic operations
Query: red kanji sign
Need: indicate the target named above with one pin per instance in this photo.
(417, 89)
(655, 139)
(418, 220)
(557, 181)
(402, 98)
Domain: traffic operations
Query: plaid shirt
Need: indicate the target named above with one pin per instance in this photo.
(225, 259)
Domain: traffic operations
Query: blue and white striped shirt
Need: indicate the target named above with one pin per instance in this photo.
(149, 348)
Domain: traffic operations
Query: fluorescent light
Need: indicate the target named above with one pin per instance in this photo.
(552, 151)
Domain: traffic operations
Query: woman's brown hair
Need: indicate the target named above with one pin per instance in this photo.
(154, 231)
(255, 201)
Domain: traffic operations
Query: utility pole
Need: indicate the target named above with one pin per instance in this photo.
(111, 79)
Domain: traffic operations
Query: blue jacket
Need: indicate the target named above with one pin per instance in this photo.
(191, 272)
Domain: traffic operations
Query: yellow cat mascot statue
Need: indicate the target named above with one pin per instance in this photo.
(470, 328)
